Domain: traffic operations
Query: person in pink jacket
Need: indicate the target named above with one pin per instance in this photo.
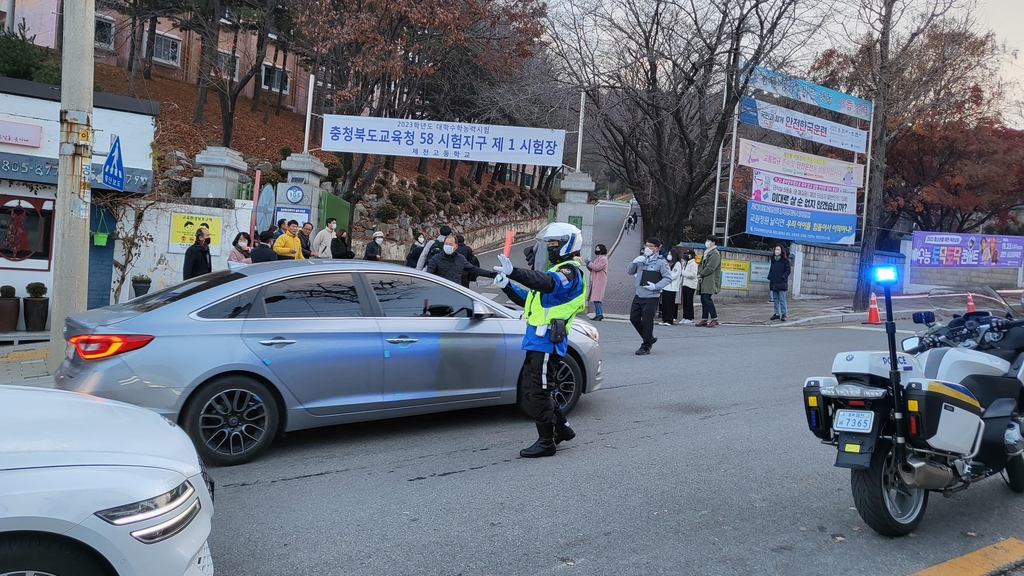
(240, 249)
(598, 279)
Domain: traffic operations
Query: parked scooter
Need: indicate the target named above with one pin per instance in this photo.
(938, 417)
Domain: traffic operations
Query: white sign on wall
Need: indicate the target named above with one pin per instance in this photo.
(443, 140)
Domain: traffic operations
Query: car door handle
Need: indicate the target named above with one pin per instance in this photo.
(277, 342)
(403, 340)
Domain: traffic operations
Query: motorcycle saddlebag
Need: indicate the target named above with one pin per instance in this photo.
(816, 409)
(941, 416)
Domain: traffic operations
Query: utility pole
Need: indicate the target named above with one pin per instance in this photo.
(579, 135)
(74, 172)
(9, 18)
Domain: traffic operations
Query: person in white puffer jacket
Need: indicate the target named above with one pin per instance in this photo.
(670, 295)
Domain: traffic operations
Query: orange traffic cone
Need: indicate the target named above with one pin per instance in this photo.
(970, 303)
(873, 317)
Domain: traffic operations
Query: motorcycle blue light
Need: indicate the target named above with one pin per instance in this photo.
(884, 275)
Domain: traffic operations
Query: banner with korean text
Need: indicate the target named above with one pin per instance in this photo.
(796, 193)
(792, 123)
(809, 93)
(443, 140)
(800, 224)
(800, 164)
(950, 250)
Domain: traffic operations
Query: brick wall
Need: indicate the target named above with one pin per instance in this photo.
(832, 270)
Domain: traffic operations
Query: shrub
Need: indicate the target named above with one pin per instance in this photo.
(464, 182)
(419, 199)
(422, 181)
(141, 278)
(491, 207)
(438, 186)
(489, 193)
(387, 213)
(36, 289)
(426, 209)
(334, 172)
(400, 199)
(442, 198)
(7, 291)
(378, 190)
(21, 58)
(453, 211)
(458, 196)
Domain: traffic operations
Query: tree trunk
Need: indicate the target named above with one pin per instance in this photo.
(227, 118)
(266, 106)
(207, 60)
(453, 168)
(499, 168)
(533, 181)
(257, 89)
(280, 85)
(147, 64)
(478, 173)
(134, 69)
(133, 43)
(876, 178)
(424, 166)
(389, 163)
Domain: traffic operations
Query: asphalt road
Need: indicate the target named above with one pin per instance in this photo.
(693, 460)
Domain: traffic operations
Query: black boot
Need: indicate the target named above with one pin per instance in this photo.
(562, 429)
(545, 444)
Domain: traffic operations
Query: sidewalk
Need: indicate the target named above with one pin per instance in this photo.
(24, 363)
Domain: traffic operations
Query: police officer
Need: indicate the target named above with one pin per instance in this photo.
(552, 301)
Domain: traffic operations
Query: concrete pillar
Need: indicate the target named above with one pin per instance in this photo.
(301, 192)
(576, 209)
(221, 167)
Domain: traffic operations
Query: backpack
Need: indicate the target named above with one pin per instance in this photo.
(435, 249)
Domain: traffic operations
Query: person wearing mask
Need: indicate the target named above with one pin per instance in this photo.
(689, 287)
(287, 245)
(433, 247)
(374, 250)
(598, 280)
(339, 246)
(451, 265)
(197, 257)
(709, 282)
(550, 301)
(778, 280)
(414, 252)
(282, 228)
(652, 275)
(467, 252)
(240, 249)
(670, 295)
(306, 242)
(265, 251)
(322, 241)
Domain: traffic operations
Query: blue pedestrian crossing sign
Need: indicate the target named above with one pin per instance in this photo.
(113, 167)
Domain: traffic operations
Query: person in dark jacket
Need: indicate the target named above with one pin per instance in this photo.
(417, 248)
(197, 257)
(467, 253)
(306, 242)
(264, 252)
(778, 279)
(451, 265)
(374, 249)
(339, 246)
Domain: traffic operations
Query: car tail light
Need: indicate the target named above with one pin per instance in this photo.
(99, 346)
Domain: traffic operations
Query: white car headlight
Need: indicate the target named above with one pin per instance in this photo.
(589, 331)
(151, 508)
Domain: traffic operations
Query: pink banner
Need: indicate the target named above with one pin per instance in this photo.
(20, 134)
(800, 164)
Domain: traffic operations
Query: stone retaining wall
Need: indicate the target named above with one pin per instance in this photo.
(828, 270)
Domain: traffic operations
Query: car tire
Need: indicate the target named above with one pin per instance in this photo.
(231, 420)
(569, 390)
(1015, 473)
(31, 554)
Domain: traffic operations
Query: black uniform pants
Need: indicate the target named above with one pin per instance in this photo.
(641, 315)
(540, 404)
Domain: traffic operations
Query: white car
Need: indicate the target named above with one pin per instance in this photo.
(93, 487)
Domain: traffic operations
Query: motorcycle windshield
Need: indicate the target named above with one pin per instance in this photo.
(950, 301)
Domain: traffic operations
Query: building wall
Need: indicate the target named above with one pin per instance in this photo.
(829, 270)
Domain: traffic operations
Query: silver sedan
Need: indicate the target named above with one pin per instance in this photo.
(238, 357)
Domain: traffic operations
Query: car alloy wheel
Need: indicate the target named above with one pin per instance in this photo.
(568, 384)
(233, 422)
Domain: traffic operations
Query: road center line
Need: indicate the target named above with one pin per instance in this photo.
(997, 557)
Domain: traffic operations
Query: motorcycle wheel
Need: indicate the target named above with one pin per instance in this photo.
(885, 503)
(1015, 473)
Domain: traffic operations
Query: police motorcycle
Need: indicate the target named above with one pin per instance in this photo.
(938, 417)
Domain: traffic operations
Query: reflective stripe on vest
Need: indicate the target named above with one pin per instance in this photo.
(538, 315)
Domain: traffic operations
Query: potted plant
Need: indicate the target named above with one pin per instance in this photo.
(10, 309)
(141, 284)
(37, 307)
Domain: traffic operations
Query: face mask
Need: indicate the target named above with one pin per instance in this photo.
(378, 240)
(553, 254)
(332, 225)
(669, 257)
(449, 250)
(707, 244)
(420, 239)
(648, 251)
(243, 244)
(206, 242)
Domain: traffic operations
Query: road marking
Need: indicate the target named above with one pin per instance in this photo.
(988, 560)
(22, 355)
(870, 329)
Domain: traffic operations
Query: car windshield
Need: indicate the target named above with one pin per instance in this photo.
(155, 300)
(949, 301)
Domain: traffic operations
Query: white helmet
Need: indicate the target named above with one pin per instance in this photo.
(569, 237)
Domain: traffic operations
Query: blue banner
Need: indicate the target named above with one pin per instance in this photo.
(809, 93)
(792, 123)
(799, 224)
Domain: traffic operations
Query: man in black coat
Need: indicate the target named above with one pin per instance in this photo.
(265, 251)
(467, 253)
(306, 242)
(197, 257)
(451, 265)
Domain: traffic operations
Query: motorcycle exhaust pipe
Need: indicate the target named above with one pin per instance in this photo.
(919, 473)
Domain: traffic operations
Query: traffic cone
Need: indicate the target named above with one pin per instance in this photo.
(970, 303)
(873, 317)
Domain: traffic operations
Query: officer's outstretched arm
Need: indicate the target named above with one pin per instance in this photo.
(515, 294)
(540, 281)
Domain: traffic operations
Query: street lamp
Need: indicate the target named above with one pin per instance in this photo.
(887, 277)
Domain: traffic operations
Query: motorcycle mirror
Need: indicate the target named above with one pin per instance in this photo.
(924, 317)
(911, 342)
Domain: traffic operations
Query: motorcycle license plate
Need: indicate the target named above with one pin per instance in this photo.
(853, 420)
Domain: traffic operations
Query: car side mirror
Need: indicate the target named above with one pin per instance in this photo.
(480, 311)
(924, 317)
(909, 343)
